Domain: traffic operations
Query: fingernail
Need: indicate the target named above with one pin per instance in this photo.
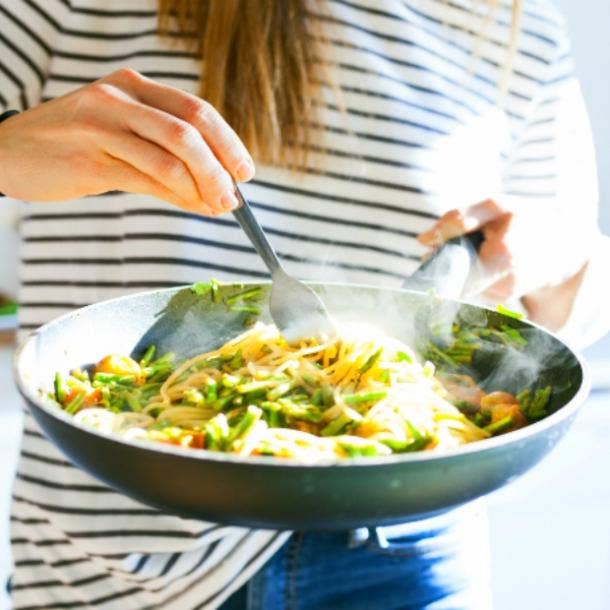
(229, 201)
(245, 170)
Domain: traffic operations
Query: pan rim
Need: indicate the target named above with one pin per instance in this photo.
(481, 446)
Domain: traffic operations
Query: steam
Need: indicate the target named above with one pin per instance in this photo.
(418, 317)
(534, 361)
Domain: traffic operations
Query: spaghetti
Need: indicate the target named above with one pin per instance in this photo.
(357, 396)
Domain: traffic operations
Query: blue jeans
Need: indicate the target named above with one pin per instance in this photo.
(440, 563)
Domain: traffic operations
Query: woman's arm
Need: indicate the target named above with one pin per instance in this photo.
(124, 132)
(542, 242)
(519, 258)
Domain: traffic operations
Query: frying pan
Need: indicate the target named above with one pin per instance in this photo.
(277, 493)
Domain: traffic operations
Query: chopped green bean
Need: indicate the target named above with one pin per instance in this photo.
(371, 361)
(244, 295)
(148, 356)
(336, 426)
(501, 425)
(508, 312)
(358, 399)
(61, 391)
(75, 404)
(211, 392)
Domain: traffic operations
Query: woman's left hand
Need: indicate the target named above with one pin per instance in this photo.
(525, 250)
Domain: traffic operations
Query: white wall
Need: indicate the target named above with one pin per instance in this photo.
(589, 23)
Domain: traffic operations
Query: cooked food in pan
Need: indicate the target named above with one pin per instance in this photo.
(362, 394)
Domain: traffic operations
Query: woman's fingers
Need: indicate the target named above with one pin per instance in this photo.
(184, 142)
(493, 276)
(157, 163)
(175, 144)
(219, 136)
(458, 222)
(127, 178)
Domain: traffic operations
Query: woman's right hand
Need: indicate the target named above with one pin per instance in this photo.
(124, 132)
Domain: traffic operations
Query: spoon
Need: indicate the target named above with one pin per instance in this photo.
(295, 308)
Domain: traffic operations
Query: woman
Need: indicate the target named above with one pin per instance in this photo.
(370, 123)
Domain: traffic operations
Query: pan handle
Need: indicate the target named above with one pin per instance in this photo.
(448, 269)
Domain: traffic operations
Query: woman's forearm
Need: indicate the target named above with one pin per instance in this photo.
(551, 306)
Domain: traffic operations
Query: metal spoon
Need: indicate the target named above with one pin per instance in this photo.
(295, 308)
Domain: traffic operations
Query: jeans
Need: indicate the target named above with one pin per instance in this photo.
(441, 563)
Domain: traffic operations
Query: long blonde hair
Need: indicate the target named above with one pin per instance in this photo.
(260, 67)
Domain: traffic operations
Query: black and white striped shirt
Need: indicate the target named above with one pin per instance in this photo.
(423, 131)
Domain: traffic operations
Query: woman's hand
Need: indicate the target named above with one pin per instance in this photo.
(129, 133)
(526, 254)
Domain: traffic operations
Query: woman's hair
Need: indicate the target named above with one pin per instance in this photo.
(261, 67)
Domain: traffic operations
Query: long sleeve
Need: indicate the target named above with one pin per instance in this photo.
(552, 167)
(26, 46)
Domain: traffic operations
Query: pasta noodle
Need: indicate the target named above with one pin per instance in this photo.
(362, 394)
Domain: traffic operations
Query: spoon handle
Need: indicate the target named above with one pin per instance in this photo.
(244, 216)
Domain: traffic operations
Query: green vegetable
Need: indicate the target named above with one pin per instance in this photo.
(501, 425)
(105, 378)
(384, 376)
(216, 432)
(251, 416)
(132, 402)
(229, 381)
(80, 375)
(534, 407)
(237, 361)
(356, 448)
(481, 419)
(148, 356)
(317, 398)
(371, 361)
(201, 288)
(358, 399)
(253, 309)
(328, 396)
(514, 335)
(508, 312)
(244, 295)
(273, 413)
(255, 386)
(75, 404)
(215, 290)
(61, 390)
(435, 353)
(466, 407)
(336, 426)
(211, 391)
(280, 390)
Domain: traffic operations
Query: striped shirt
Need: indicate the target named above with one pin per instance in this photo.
(422, 131)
